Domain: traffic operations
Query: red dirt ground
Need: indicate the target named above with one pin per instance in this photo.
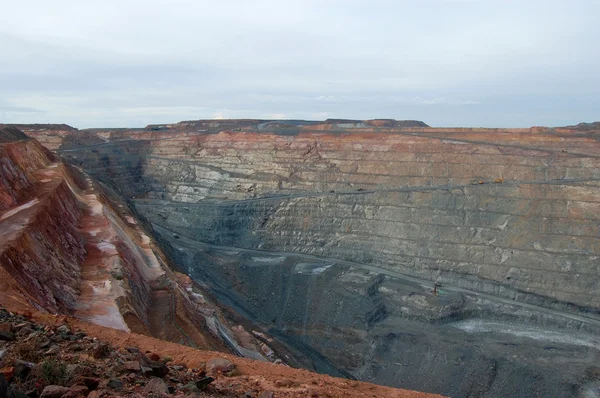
(254, 374)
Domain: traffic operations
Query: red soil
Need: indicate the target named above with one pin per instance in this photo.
(254, 374)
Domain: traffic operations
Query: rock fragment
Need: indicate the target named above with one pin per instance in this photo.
(54, 392)
(222, 365)
(115, 384)
(156, 386)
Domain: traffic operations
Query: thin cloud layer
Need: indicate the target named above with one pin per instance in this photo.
(449, 63)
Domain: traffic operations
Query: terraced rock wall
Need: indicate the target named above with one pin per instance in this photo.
(69, 246)
(41, 247)
(423, 206)
(332, 235)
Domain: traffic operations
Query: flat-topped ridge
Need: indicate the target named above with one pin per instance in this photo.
(595, 126)
(42, 126)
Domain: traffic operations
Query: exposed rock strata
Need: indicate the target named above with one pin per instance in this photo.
(421, 208)
(69, 246)
(505, 219)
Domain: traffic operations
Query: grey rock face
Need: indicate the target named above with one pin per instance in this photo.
(333, 242)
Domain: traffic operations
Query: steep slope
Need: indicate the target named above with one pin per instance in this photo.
(397, 174)
(67, 246)
(52, 135)
(331, 236)
(11, 134)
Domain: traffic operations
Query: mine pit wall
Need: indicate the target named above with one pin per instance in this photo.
(52, 227)
(182, 319)
(134, 306)
(532, 237)
(43, 260)
(51, 136)
(43, 263)
(119, 165)
(133, 270)
(355, 229)
(537, 239)
(18, 161)
(403, 203)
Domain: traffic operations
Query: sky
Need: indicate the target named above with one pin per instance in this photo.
(129, 63)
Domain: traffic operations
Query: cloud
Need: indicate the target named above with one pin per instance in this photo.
(438, 101)
(19, 109)
(137, 62)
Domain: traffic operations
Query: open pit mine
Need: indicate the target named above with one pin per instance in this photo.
(456, 261)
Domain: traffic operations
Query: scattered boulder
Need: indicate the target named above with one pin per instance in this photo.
(74, 369)
(132, 366)
(154, 357)
(215, 365)
(91, 383)
(115, 384)
(286, 383)
(45, 343)
(64, 329)
(232, 373)
(266, 394)
(80, 390)
(146, 371)
(156, 386)
(53, 350)
(26, 331)
(102, 351)
(6, 336)
(54, 392)
(204, 382)
(159, 369)
(191, 388)
(21, 325)
(74, 394)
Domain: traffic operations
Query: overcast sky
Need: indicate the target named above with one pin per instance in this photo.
(446, 62)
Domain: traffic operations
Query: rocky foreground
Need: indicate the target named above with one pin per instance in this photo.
(57, 357)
